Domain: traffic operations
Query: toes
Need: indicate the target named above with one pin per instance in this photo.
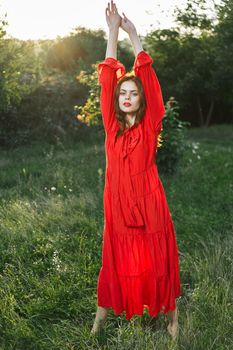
(173, 330)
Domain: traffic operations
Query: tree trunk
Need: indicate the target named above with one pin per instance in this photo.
(210, 111)
(201, 119)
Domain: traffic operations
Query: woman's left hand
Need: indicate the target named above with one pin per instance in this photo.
(127, 25)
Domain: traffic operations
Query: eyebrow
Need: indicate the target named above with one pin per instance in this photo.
(129, 90)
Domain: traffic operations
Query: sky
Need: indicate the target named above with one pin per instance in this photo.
(47, 19)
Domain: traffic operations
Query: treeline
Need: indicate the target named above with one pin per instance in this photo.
(42, 83)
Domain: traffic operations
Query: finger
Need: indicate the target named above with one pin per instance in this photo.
(125, 18)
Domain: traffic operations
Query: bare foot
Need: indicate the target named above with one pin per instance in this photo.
(97, 326)
(173, 329)
(100, 319)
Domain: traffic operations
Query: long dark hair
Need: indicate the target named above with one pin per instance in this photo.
(120, 115)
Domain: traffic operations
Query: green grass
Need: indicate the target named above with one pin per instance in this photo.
(51, 224)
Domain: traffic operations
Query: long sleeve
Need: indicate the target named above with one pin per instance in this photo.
(154, 99)
(109, 72)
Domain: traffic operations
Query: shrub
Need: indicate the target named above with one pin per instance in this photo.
(172, 138)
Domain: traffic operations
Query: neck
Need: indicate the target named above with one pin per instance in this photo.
(130, 118)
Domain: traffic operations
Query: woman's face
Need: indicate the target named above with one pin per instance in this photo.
(129, 99)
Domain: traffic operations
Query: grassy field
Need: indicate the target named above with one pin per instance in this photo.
(51, 225)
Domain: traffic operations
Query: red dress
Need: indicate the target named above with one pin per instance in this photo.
(140, 266)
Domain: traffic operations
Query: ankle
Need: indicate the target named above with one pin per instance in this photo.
(101, 314)
(173, 316)
(173, 322)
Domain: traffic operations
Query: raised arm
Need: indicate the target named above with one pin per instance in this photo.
(129, 28)
(144, 70)
(113, 20)
(110, 70)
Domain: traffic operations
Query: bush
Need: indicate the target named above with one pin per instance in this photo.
(172, 139)
(47, 113)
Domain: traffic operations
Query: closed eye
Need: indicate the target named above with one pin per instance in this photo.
(123, 93)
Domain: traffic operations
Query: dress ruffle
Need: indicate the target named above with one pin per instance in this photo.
(143, 58)
(114, 64)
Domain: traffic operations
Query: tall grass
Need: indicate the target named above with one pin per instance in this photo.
(51, 224)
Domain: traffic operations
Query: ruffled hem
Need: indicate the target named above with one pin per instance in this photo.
(113, 63)
(144, 291)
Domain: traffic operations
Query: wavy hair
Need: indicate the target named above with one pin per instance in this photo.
(120, 115)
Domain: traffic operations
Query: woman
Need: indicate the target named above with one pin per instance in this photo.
(140, 265)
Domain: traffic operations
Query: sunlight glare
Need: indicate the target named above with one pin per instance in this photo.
(48, 19)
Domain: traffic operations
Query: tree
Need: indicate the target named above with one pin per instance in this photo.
(224, 49)
(77, 51)
(188, 58)
(19, 76)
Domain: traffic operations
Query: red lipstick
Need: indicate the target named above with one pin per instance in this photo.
(127, 104)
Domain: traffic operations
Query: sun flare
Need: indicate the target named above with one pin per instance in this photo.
(48, 19)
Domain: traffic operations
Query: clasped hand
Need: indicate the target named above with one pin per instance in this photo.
(114, 20)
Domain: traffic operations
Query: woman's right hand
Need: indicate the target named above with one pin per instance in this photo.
(112, 16)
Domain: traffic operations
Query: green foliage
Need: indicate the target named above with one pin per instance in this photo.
(36, 102)
(39, 90)
(76, 51)
(173, 135)
(17, 78)
(193, 61)
(224, 51)
(90, 113)
(53, 115)
(195, 16)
